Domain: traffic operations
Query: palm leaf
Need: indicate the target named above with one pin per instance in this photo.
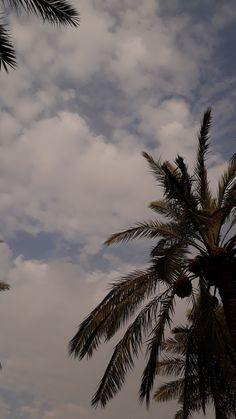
(178, 344)
(179, 414)
(169, 391)
(7, 52)
(164, 318)
(190, 375)
(202, 188)
(128, 292)
(149, 230)
(170, 366)
(156, 168)
(176, 190)
(161, 207)
(225, 183)
(169, 264)
(127, 348)
(168, 209)
(232, 222)
(53, 11)
(186, 180)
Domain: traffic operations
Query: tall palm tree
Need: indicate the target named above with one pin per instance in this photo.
(200, 367)
(191, 221)
(54, 11)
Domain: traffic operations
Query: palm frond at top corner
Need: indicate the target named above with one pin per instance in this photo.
(59, 12)
(7, 52)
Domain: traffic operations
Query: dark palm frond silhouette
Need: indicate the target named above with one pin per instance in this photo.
(193, 244)
(58, 12)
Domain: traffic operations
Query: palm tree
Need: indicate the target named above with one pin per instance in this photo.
(191, 220)
(54, 11)
(204, 375)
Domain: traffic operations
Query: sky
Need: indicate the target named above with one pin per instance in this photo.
(75, 117)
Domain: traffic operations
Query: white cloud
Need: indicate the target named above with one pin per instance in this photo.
(70, 180)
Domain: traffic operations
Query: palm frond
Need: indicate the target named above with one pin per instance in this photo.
(54, 11)
(231, 224)
(149, 230)
(231, 243)
(176, 189)
(202, 189)
(186, 179)
(169, 391)
(127, 348)
(168, 209)
(230, 197)
(7, 52)
(190, 372)
(174, 345)
(176, 183)
(160, 206)
(169, 263)
(114, 376)
(225, 183)
(153, 349)
(128, 293)
(156, 168)
(179, 414)
(170, 366)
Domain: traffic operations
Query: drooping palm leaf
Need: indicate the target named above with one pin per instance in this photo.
(169, 391)
(153, 349)
(127, 348)
(128, 292)
(7, 52)
(58, 12)
(54, 11)
(170, 366)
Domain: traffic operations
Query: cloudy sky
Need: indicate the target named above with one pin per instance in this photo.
(76, 115)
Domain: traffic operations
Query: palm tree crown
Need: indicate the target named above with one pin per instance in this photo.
(195, 221)
(54, 11)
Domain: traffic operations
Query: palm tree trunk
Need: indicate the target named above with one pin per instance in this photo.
(227, 291)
